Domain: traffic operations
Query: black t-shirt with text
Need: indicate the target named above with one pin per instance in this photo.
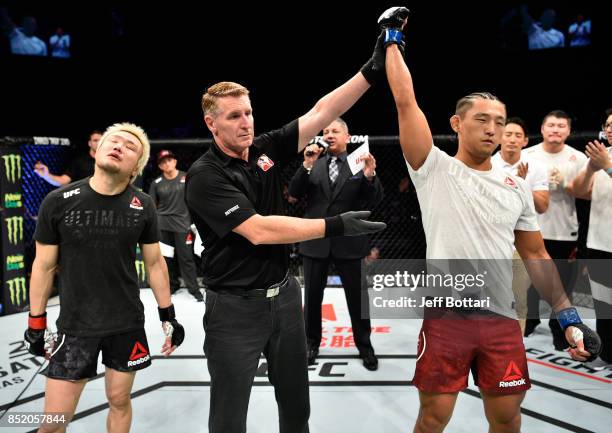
(97, 236)
(222, 192)
(169, 196)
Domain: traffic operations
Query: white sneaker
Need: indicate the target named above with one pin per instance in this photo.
(598, 364)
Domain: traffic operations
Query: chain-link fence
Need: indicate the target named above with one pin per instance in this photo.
(403, 238)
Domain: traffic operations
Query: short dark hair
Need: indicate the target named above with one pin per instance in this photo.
(465, 103)
(559, 114)
(520, 122)
(608, 113)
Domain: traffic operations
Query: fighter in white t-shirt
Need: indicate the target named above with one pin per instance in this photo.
(594, 183)
(471, 210)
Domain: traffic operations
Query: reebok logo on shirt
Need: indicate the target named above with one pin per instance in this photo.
(512, 377)
(510, 182)
(136, 204)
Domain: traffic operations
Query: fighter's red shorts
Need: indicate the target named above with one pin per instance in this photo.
(490, 345)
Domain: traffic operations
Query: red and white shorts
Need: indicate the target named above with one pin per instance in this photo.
(451, 344)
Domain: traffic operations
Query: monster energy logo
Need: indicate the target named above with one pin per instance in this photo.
(12, 165)
(140, 269)
(14, 262)
(14, 226)
(17, 289)
(12, 201)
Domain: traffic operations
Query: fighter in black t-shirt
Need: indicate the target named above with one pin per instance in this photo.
(89, 230)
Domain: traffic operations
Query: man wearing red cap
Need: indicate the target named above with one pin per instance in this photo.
(168, 192)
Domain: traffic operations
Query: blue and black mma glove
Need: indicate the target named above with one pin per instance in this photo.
(34, 336)
(391, 23)
(171, 327)
(592, 343)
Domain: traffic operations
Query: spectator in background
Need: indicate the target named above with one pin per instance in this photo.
(594, 183)
(82, 166)
(168, 193)
(22, 39)
(60, 44)
(512, 161)
(541, 34)
(373, 256)
(559, 224)
(579, 32)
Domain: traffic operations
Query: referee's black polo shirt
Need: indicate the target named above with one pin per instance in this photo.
(222, 192)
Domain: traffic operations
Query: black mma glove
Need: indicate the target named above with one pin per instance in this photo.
(374, 69)
(171, 327)
(391, 23)
(393, 18)
(34, 336)
(592, 343)
(351, 224)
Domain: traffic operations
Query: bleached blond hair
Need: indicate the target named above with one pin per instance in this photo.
(142, 137)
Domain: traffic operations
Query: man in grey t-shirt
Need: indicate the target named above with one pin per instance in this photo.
(168, 193)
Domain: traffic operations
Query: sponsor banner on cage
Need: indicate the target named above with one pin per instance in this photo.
(14, 293)
(51, 141)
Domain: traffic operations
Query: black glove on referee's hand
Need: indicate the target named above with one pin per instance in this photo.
(374, 69)
(352, 224)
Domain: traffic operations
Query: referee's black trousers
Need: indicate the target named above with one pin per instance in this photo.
(237, 331)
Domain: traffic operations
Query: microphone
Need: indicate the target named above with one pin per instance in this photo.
(319, 142)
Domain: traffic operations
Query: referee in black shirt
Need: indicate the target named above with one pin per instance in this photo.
(234, 195)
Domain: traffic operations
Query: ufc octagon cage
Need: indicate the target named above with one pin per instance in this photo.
(22, 191)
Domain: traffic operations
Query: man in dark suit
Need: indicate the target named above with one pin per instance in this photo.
(330, 189)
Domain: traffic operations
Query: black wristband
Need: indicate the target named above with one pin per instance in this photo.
(166, 314)
(368, 72)
(334, 226)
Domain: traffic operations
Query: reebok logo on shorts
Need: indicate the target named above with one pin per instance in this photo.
(512, 376)
(139, 355)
